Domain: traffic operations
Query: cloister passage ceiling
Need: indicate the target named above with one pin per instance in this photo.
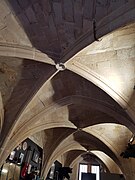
(67, 72)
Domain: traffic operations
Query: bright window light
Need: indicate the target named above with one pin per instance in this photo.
(4, 171)
(95, 170)
(82, 169)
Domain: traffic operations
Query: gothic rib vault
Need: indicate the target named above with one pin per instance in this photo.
(88, 105)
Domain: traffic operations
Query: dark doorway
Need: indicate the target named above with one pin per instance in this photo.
(88, 176)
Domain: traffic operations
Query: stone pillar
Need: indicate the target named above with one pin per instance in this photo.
(1, 113)
(74, 174)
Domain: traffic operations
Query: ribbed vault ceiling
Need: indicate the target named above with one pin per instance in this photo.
(89, 105)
